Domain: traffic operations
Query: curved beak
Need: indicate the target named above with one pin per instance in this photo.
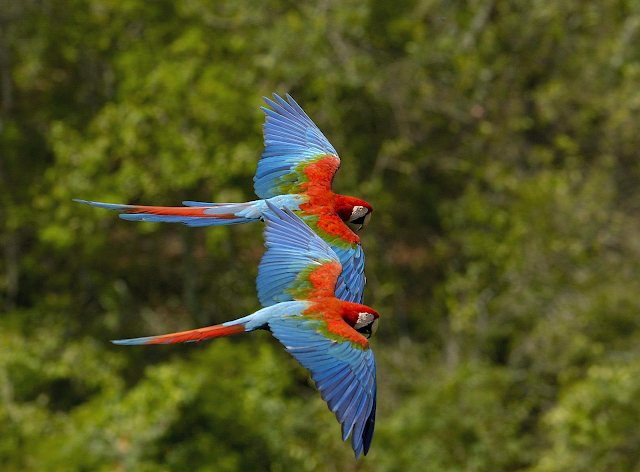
(365, 222)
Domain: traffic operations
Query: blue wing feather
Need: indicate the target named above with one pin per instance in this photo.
(344, 374)
(292, 247)
(290, 138)
(350, 286)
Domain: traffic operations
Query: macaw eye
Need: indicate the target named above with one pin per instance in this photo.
(364, 320)
(357, 214)
(361, 220)
(366, 327)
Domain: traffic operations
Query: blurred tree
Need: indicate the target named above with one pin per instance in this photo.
(497, 142)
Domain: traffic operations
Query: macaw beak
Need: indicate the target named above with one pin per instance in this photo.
(365, 222)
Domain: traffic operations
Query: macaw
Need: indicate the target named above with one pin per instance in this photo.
(295, 172)
(296, 285)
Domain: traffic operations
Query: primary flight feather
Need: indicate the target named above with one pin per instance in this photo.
(296, 285)
(295, 172)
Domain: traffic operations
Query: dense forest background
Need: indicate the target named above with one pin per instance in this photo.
(498, 142)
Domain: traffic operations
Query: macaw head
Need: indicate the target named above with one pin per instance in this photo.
(354, 210)
(362, 318)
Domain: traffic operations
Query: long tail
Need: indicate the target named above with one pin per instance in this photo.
(194, 214)
(192, 336)
(256, 320)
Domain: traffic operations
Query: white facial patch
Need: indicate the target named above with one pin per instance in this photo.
(363, 320)
(357, 212)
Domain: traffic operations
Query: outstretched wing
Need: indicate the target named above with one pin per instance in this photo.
(341, 365)
(297, 265)
(296, 153)
(350, 286)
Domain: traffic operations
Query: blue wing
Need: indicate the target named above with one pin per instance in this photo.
(294, 253)
(291, 142)
(343, 371)
(350, 285)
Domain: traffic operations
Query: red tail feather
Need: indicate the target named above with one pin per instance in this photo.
(193, 335)
(176, 211)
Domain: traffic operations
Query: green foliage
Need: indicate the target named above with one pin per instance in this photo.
(498, 144)
(469, 419)
(594, 425)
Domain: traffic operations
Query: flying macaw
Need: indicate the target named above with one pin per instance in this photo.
(295, 172)
(296, 285)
